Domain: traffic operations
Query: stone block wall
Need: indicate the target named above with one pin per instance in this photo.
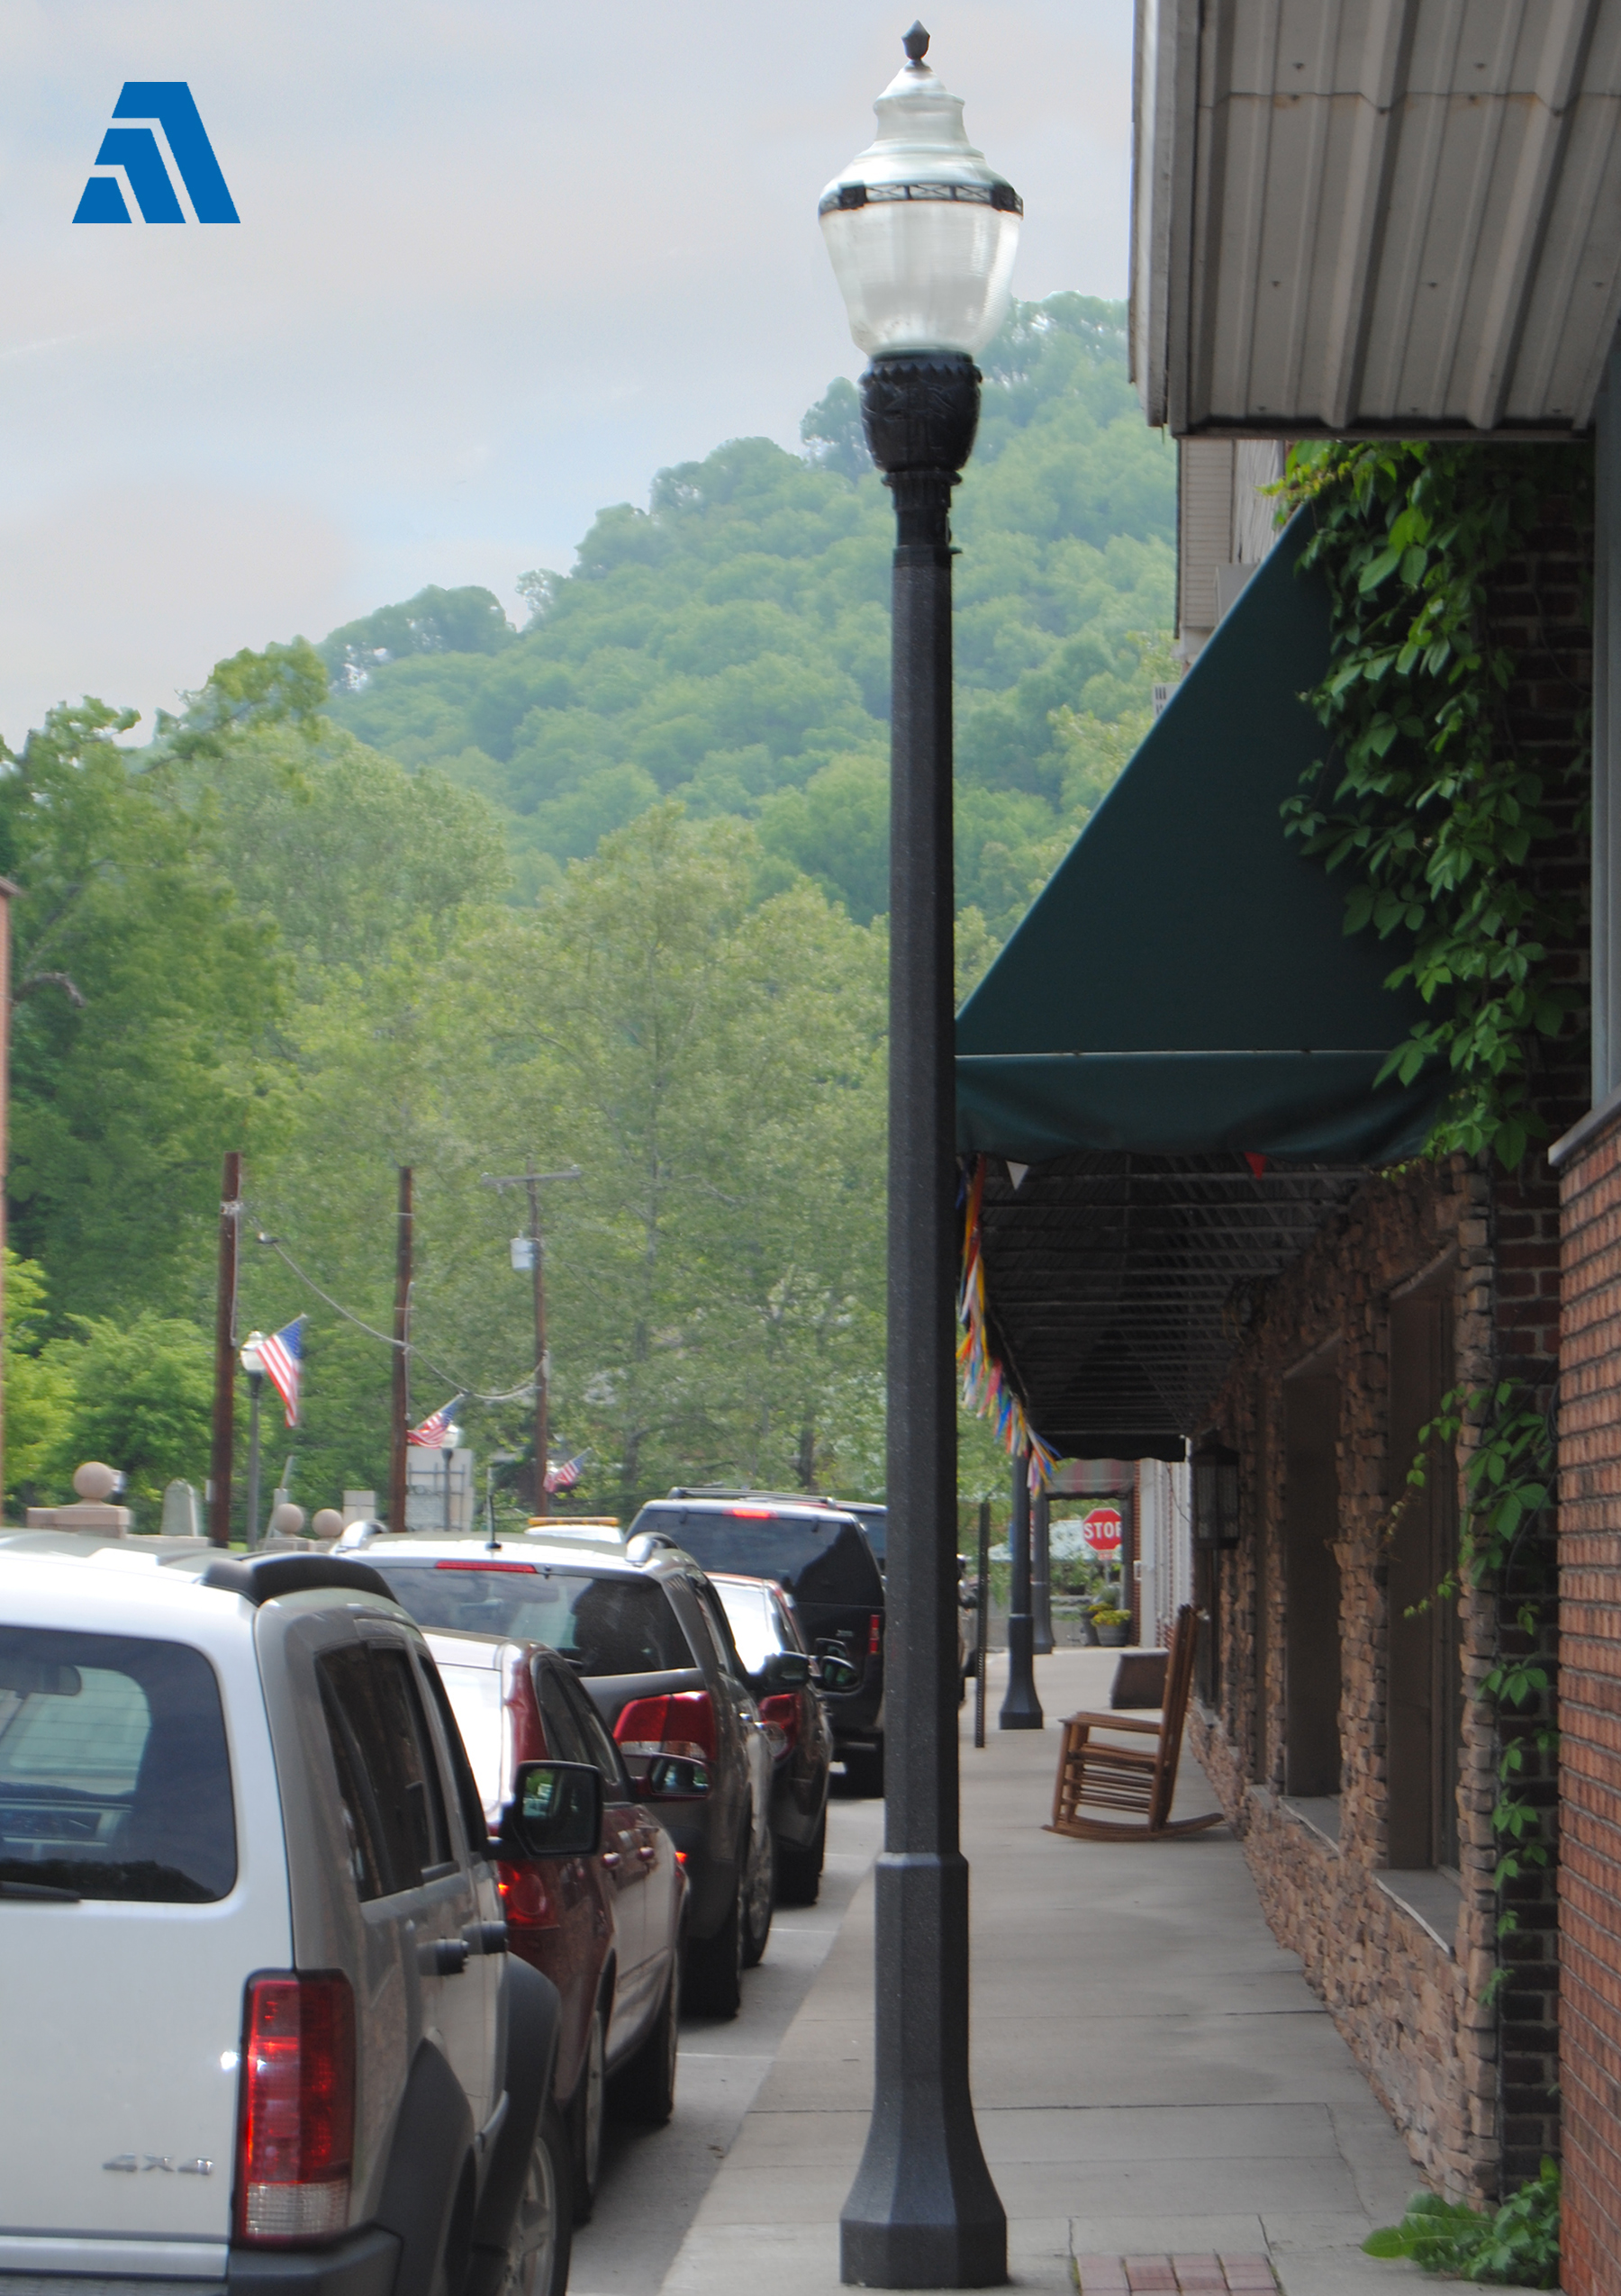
(1417, 2012)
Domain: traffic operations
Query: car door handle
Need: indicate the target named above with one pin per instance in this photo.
(611, 1858)
(443, 1956)
(647, 1850)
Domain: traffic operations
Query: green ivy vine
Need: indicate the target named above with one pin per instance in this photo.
(1507, 1485)
(1433, 813)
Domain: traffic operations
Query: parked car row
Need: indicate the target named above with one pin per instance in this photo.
(421, 1848)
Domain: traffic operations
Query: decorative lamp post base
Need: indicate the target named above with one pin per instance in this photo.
(1021, 1708)
(923, 2211)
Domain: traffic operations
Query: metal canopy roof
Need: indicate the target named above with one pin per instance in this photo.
(1118, 1287)
(1365, 216)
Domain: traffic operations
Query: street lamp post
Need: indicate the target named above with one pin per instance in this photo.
(922, 234)
(1041, 1570)
(1021, 1706)
(253, 1363)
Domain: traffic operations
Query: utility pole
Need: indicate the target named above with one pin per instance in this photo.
(224, 1394)
(530, 1179)
(400, 1418)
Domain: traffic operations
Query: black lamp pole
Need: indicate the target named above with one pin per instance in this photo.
(923, 2211)
(1041, 1572)
(1020, 1707)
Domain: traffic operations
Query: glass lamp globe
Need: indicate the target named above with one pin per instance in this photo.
(921, 232)
(252, 1362)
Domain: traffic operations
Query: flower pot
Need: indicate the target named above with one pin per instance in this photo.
(1114, 1638)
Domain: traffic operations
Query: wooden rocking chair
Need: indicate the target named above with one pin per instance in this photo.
(1138, 1784)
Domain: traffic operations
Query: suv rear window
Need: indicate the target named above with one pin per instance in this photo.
(114, 1778)
(606, 1625)
(819, 1558)
(393, 1810)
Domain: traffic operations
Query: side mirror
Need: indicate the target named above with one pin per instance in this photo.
(840, 1671)
(672, 1777)
(555, 1811)
(785, 1670)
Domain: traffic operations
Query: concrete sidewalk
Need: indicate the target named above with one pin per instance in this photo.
(1150, 2073)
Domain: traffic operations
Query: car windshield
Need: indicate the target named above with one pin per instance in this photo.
(819, 1558)
(115, 1780)
(752, 1616)
(601, 1625)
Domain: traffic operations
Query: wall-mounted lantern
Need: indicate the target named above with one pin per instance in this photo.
(1214, 1495)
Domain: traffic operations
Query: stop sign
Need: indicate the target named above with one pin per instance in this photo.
(1102, 1529)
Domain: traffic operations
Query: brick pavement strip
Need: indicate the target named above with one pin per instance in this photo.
(1200, 2275)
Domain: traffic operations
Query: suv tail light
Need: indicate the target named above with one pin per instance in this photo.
(682, 1722)
(526, 1900)
(780, 1715)
(875, 1629)
(297, 2136)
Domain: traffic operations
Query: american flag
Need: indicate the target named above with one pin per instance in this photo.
(434, 1431)
(282, 1355)
(565, 1476)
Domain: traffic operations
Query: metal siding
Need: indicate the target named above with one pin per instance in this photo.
(1204, 526)
(1379, 214)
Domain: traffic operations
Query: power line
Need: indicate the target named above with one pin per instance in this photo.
(472, 1394)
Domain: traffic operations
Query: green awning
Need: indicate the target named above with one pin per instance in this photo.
(1171, 1066)
(1184, 984)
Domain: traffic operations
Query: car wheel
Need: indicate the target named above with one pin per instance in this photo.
(759, 1899)
(587, 2116)
(800, 1871)
(542, 2232)
(864, 1769)
(644, 2090)
(714, 1965)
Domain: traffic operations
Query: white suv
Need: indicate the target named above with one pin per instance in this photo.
(259, 2030)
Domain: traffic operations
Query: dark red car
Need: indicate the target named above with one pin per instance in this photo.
(607, 1931)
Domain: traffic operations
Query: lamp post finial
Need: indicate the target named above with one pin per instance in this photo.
(916, 44)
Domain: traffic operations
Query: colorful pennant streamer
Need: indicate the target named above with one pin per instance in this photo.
(986, 1389)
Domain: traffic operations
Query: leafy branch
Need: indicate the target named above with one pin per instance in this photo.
(1434, 812)
(1516, 2246)
(1508, 1485)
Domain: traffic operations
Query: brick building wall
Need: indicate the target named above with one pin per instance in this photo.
(1589, 1711)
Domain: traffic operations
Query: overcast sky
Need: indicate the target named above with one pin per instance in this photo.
(498, 262)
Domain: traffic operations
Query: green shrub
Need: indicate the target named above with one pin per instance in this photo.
(1514, 2247)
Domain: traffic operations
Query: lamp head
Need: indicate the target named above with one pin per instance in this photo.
(921, 232)
(252, 1362)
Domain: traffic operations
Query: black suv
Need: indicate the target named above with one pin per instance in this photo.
(817, 1551)
(645, 1632)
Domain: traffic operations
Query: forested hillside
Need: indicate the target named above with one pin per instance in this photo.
(729, 646)
(608, 891)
